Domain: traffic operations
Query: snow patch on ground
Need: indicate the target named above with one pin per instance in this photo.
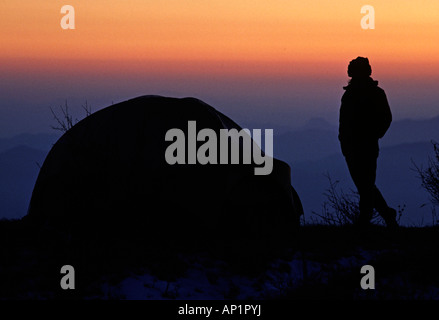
(216, 282)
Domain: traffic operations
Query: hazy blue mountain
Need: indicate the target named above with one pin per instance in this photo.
(41, 141)
(306, 145)
(319, 124)
(406, 131)
(18, 173)
(319, 139)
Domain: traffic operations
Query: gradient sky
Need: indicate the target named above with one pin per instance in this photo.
(259, 61)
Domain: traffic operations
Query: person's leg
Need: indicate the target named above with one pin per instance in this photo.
(380, 203)
(386, 212)
(363, 171)
(362, 168)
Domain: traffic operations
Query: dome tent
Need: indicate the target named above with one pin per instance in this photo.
(107, 177)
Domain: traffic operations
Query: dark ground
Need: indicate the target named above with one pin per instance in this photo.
(406, 263)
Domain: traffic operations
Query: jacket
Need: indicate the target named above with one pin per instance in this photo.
(365, 117)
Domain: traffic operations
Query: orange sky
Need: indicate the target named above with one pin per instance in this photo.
(300, 35)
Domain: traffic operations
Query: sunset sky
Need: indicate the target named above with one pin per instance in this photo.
(280, 61)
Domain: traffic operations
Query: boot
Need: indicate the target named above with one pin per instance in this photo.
(389, 216)
(363, 220)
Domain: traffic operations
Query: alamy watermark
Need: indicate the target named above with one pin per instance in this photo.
(68, 281)
(368, 20)
(243, 144)
(368, 280)
(68, 20)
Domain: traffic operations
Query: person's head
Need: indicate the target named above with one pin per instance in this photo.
(359, 68)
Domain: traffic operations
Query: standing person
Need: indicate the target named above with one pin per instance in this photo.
(365, 117)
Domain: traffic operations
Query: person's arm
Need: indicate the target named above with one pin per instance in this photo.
(384, 115)
(342, 119)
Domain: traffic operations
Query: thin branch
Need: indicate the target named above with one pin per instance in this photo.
(65, 122)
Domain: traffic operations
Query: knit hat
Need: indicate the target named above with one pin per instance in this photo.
(359, 67)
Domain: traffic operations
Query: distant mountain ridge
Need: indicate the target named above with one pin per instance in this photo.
(319, 139)
(19, 169)
(407, 131)
(41, 141)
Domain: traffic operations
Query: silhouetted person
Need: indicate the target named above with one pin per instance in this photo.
(365, 117)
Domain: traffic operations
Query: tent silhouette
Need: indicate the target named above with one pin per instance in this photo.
(107, 178)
